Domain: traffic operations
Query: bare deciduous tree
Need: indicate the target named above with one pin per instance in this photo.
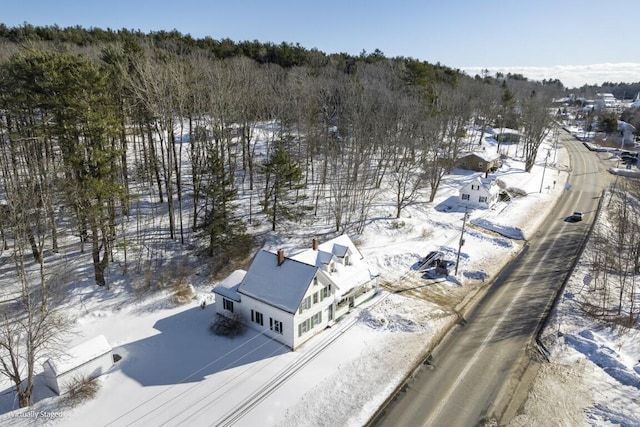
(536, 124)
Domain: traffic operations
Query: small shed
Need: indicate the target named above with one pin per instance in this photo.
(90, 359)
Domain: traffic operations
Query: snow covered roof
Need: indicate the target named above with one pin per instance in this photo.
(316, 258)
(485, 155)
(347, 277)
(339, 246)
(281, 286)
(499, 131)
(284, 285)
(624, 126)
(356, 273)
(228, 287)
(79, 355)
(485, 183)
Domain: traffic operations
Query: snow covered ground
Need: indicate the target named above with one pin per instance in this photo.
(174, 372)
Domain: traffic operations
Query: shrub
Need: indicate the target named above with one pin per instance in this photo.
(516, 192)
(396, 225)
(227, 326)
(427, 233)
(182, 292)
(81, 389)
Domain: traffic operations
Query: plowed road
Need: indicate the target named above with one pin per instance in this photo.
(474, 372)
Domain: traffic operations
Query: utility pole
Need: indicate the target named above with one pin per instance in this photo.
(461, 242)
(545, 168)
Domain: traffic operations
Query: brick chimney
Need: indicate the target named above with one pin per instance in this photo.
(280, 257)
(314, 244)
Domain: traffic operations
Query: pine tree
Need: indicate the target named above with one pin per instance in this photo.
(225, 232)
(283, 182)
(66, 99)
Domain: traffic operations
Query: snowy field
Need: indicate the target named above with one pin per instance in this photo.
(174, 372)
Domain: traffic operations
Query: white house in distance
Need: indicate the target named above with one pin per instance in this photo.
(605, 101)
(480, 193)
(87, 360)
(292, 298)
(626, 133)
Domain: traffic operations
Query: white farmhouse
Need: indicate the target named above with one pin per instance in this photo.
(293, 298)
(87, 360)
(480, 193)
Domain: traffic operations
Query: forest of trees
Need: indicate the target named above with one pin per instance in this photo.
(124, 145)
(614, 261)
(104, 111)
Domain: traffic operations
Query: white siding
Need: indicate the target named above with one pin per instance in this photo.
(322, 307)
(62, 382)
(267, 312)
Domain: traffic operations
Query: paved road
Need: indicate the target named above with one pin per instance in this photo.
(476, 368)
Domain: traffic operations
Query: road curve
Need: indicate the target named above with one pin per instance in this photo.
(473, 372)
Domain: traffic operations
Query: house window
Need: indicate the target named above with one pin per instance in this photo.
(305, 326)
(256, 317)
(315, 298)
(326, 291)
(480, 165)
(482, 199)
(315, 281)
(346, 260)
(308, 324)
(305, 304)
(227, 305)
(475, 187)
(275, 325)
(465, 197)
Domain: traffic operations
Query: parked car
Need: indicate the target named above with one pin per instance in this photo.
(576, 216)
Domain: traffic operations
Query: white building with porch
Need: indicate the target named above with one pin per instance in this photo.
(292, 298)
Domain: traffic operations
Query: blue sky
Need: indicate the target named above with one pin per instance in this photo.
(493, 34)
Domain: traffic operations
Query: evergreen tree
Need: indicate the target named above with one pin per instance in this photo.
(283, 182)
(225, 232)
(66, 98)
(608, 122)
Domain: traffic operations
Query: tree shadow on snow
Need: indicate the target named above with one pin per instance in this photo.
(9, 399)
(604, 357)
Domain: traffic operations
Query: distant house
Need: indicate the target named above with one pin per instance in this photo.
(626, 133)
(506, 135)
(87, 360)
(605, 101)
(292, 298)
(480, 193)
(479, 161)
